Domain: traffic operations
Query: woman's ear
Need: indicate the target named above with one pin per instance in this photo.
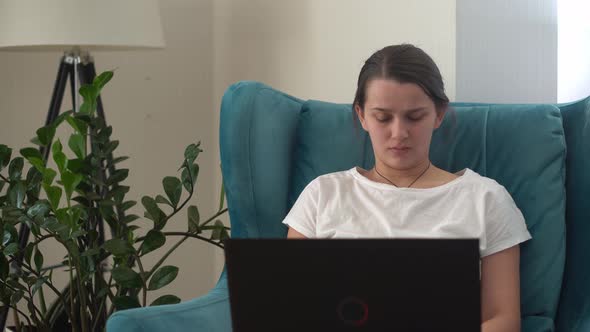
(361, 115)
(440, 115)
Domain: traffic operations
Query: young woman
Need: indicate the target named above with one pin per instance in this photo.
(400, 101)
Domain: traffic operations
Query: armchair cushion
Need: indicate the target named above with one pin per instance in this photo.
(574, 305)
(520, 146)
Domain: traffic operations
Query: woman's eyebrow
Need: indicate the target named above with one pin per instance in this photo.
(410, 111)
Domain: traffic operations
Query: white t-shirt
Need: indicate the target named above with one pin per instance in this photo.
(348, 205)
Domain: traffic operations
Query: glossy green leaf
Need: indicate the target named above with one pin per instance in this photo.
(153, 240)
(5, 155)
(11, 249)
(48, 176)
(87, 107)
(126, 302)
(70, 181)
(110, 147)
(126, 277)
(127, 205)
(118, 160)
(38, 258)
(38, 284)
(101, 80)
(173, 189)
(193, 219)
(40, 208)
(35, 140)
(54, 195)
(219, 232)
(45, 135)
(58, 156)
(166, 299)
(118, 247)
(90, 252)
(118, 176)
(28, 252)
(187, 177)
(34, 178)
(39, 164)
(88, 92)
(53, 225)
(118, 191)
(16, 297)
(78, 166)
(129, 218)
(29, 153)
(17, 194)
(15, 169)
(10, 234)
(79, 126)
(60, 118)
(77, 144)
(163, 200)
(162, 277)
(154, 211)
(192, 152)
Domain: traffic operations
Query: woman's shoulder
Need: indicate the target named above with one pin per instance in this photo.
(334, 178)
(490, 188)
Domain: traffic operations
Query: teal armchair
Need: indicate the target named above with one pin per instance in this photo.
(273, 144)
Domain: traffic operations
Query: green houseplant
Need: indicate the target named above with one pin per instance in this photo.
(69, 205)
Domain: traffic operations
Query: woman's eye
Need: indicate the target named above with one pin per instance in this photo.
(415, 118)
(382, 119)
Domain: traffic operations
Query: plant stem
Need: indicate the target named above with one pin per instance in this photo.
(100, 310)
(42, 238)
(196, 236)
(213, 217)
(4, 178)
(83, 297)
(16, 320)
(166, 256)
(72, 310)
(42, 301)
(35, 310)
(143, 279)
(30, 269)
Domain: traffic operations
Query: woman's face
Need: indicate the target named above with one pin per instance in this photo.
(400, 119)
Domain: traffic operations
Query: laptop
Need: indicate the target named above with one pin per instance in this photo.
(354, 284)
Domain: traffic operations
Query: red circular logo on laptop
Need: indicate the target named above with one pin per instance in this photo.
(353, 311)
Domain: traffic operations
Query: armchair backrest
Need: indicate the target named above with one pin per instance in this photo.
(273, 144)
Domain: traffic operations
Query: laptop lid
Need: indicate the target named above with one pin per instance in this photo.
(354, 285)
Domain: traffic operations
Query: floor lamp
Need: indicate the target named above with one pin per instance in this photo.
(76, 27)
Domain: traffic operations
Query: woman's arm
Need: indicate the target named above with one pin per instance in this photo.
(500, 291)
(293, 234)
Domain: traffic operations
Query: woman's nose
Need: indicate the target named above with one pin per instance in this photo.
(399, 129)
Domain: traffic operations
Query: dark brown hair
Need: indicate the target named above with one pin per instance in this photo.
(404, 63)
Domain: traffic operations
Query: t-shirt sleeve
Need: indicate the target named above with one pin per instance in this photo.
(303, 215)
(505, 224)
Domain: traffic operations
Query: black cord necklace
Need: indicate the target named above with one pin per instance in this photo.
(395, 185)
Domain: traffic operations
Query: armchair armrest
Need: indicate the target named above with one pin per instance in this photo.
(208, 313)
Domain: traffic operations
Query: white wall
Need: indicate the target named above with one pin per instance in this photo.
(314, 49)
(573, 81)
(507, 51)
(160, 101)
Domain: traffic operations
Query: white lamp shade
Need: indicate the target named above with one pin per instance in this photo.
(87, 24)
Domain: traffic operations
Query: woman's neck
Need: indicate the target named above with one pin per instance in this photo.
(400, 177)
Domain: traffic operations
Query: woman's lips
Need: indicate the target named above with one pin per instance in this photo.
(399, 150)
